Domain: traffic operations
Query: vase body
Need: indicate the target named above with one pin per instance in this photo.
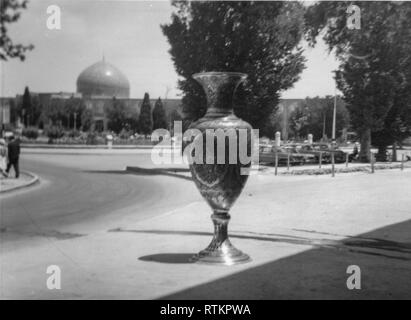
(220, 179)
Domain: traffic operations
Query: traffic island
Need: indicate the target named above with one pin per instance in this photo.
(326, 169)
(25, 180)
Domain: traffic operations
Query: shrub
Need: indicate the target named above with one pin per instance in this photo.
(124, 134)
(30, 133)
(91, 138)
(73, 133)
(54, 132)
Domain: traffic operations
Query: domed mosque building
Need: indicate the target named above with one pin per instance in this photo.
(97, 86)
(101, 82)
(102, 79)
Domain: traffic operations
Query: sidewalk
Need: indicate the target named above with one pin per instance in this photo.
(26, 179)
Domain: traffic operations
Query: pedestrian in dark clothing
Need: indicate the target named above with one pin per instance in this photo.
(13, 154)
(3, 157)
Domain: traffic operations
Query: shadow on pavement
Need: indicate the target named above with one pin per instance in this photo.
(171, 172)
(321, 273)
(107, 171)
(360, 244)
(169, 258)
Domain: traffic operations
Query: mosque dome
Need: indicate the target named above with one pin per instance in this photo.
(103, 79)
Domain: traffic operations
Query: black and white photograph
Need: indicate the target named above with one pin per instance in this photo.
(176, 150)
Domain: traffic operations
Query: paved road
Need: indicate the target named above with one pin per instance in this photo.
(86, 193)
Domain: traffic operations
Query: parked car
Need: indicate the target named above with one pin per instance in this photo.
(325, 150)
(308, 157)
(267, 154)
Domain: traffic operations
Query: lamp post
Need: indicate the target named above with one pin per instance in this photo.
(23, 111)
(75, 120)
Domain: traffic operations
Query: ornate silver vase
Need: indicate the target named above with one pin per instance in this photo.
(220, 183)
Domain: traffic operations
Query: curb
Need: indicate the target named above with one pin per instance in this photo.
(85, 147)
(34, 180)
(327, 171)
(76, 153)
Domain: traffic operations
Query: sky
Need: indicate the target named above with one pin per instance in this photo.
(129, 36)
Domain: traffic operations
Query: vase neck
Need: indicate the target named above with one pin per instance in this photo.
(219, 88)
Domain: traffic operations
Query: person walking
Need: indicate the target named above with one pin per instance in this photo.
(3, 158)
(13, 155)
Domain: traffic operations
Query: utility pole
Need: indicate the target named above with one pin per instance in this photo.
(165, 104)
(334, 142)
(334, 113)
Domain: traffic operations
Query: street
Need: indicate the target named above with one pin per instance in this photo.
(77, 189)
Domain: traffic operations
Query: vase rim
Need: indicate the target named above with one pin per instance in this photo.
(218, 73)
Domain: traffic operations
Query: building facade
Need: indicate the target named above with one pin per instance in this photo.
(5, 111)
(99, 83)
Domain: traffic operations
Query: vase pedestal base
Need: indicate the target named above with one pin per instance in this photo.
(223, 256)
(220, 250)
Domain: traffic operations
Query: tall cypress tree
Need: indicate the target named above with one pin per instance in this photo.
(159, 116)
(26, 106)
(145, 119)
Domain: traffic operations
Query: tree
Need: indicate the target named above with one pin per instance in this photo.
(26, 106)
(15, 110)
(145, 120)
(159, 116)
(54, 112)
(174, 116)
(35, 111)
(116, 115)
(260, 39)
(120, 116)
(374, 61)
(315, 116)
(10, 11)
(299, 122)
(30, 109)
(132, 120)
(72, 112)
(397, 126)
(68, 113)
(86, 119)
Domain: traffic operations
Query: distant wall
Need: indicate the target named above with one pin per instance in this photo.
(5, 110)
